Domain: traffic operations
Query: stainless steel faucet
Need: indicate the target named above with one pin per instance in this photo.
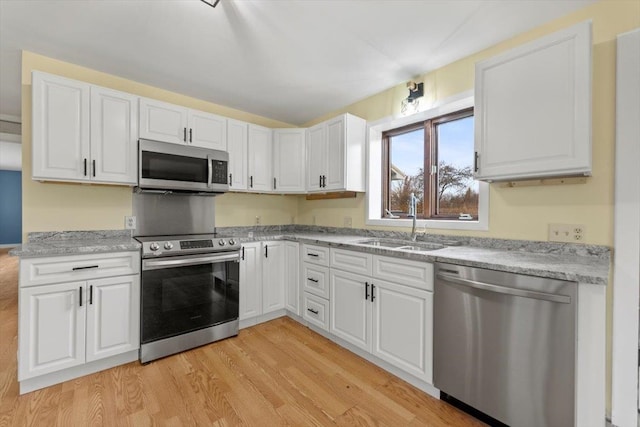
(413, 200)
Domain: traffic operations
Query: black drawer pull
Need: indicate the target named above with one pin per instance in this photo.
(85, 268)
(312, 310)
(312, 280)
(315, 255)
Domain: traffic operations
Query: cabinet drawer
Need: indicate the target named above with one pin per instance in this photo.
(316, 310)
(315, 279)
(58, 269)
(315, 254)
(404, 272)
(354, 262)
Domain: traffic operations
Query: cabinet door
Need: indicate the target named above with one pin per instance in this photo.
(161, 121)
(350, 311)
(250, 280)
(407, 348)
(113, 316)
(292, 277)
(260, 151)
(316, 156)
(533, 108)
(273, 276)
(51, 328)
(114, 136)
(60, 128)
(207, 130)
(237, 140)
(335, 154)
(289, 160)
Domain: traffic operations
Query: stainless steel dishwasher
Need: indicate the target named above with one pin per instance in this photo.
(505, 344)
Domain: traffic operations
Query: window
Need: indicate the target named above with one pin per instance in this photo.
(434, 160)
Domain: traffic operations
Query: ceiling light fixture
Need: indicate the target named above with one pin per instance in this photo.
(212, 3)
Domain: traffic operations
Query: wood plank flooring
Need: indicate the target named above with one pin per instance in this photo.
(276, 373)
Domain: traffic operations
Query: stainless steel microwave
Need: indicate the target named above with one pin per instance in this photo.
(181, 168)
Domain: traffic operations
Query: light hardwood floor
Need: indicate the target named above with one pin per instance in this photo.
(277, 373)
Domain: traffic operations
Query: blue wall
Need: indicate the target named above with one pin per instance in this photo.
(10, 207)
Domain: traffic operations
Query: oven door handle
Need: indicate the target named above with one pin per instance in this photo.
(172, 263)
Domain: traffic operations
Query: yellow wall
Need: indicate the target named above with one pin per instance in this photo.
(520, 213)
(58, 206)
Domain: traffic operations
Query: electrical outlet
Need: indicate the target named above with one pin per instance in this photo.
(257, 220)
(130, 222)
(569, 233)
(250, 235)
(347, 222)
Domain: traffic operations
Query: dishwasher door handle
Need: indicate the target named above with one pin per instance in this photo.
(563, 299)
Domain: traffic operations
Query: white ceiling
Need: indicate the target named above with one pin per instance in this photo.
(290, 60)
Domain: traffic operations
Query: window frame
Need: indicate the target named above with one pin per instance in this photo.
(430, 159)
(373, 196)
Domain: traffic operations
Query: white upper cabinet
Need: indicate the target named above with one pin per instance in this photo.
(533, 109)
(161, 121)
(289, 160)
(260, 156)
(114, 136)
(237, 146)
(336, 155)
(83, 132)
(207, 130)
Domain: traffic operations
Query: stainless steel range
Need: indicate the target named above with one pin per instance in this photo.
(190, 292)
(190, 275)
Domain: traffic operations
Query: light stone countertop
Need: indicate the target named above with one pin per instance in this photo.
(580, 263)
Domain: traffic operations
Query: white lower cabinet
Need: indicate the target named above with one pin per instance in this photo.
(393, 321)
(74, 322)
(269, 279)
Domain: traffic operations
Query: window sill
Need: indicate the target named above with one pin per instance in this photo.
(430, 224)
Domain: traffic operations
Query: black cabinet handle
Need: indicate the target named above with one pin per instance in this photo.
(94, 168)
(320, 181)
(230, 179)
(85, 167)
(243, 253)
(475, 162)
(80, 291)
(312, 280)
(190, 135)
(324, 181)
(373, 292)
(312, 310)
(366, 290)
(251, 181)
(266, 251)
(85, 268)
(91, 294)
(314, 255)
(274, 183)
(184, 136)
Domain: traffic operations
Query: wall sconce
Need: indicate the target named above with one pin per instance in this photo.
(416, 91)
(212, 3)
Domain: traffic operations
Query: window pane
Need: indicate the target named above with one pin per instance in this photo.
(457, 190)
(406, 154)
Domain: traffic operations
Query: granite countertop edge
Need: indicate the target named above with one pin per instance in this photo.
(582, 269)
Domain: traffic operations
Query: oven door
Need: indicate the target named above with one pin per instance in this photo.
(187, 293)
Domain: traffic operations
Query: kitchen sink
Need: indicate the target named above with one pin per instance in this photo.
(406, 245)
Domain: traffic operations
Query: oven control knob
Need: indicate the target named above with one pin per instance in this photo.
(154, 246)
(168, 245)
(221, 242)
(232, 242)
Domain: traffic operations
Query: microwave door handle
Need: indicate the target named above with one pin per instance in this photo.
(209, 172)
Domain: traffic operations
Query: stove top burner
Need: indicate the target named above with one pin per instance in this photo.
(159, 246)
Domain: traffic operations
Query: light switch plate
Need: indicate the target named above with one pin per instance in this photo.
(566, 233)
